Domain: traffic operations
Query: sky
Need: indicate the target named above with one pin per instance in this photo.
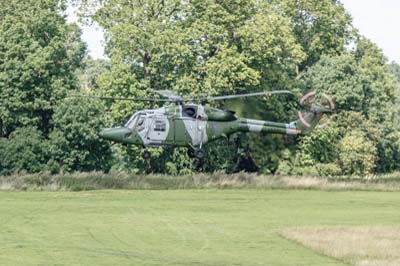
(92, 35)
(379, 20)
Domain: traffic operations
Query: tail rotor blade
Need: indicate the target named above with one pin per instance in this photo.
(316, 107)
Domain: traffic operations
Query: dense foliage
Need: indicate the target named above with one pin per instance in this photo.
(194, 47)
(39, 56)
(74, 141)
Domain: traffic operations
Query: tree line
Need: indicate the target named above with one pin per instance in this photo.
(194, 47)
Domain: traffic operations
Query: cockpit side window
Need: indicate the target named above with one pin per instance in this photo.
(140, 125)
(137, 121)
(189, 111)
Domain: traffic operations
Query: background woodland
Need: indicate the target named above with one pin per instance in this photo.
(193, 47)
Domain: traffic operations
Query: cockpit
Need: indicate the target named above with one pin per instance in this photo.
(137, 121)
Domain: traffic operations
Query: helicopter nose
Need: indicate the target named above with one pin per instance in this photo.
(115, 134)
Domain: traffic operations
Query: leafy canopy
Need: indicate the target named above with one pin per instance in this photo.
(39, 53)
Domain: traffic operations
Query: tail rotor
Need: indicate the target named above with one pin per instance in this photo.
(316, 110)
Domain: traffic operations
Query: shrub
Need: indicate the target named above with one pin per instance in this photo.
(305, 171)
(328, 169)
(317, 147)
(284, 168)
(74, 143)
(25, 150)
(357, 154)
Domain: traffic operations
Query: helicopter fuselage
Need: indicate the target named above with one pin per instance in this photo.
(189, 126)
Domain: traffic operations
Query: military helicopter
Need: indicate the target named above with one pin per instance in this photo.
(190, 125)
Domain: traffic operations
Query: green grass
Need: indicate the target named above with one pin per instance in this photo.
(179, 227)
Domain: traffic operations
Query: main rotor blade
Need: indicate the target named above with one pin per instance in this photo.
(121, 98)
(179, 99)
(168, 94)
(226, 97)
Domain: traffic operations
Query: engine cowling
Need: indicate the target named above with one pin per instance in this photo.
(214, 114)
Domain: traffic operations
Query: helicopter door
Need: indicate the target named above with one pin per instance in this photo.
(158, 131)
(189, 118)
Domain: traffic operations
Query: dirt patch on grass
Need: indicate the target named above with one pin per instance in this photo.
(361, 246)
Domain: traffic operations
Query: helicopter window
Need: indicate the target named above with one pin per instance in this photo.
(189, 111)
(160, 125)
(131, 122)
(140, 121)
(140, 125)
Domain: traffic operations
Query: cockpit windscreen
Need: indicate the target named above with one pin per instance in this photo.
(137, 121)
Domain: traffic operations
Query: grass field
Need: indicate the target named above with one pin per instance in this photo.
(182, 227)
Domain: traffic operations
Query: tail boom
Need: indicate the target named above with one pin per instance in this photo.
(299, 127)
(251, 125)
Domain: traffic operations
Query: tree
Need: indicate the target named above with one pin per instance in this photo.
(394, 68)
(89, 72)
(218, 47)
(322, 27)
(319, 147)
(359, 81)
(357, 155)
(74, 143)
(39, 53)
(339, 77)
(24, 150)
(378, 82)
(194, 48)
(364, 89)
(200, 46)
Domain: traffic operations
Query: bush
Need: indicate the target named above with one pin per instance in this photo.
(328, 169)
(284, 168)
(318, 147)
(357, 154)
(388, 152)
(25, 150)
(74, 143)
(305, 171)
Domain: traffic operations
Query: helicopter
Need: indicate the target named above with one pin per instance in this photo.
(186, 124)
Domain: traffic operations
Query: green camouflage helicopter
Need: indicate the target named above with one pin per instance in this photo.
(193, 125)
